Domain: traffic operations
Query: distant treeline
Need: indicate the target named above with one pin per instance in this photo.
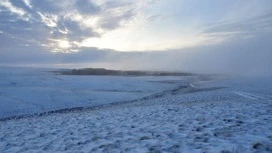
(102, 71)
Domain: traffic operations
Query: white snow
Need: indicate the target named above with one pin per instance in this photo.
(28, 90)
(231, 115)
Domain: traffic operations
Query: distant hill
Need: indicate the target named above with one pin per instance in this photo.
(102, 71)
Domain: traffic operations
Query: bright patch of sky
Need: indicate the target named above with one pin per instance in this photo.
(130, 25)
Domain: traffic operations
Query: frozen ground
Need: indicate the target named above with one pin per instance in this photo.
(28, 90)
(231, 115)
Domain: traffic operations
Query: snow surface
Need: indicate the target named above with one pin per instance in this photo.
(230, 115)
(29, 91)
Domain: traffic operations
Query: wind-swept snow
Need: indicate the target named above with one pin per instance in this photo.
(214, 117)
(28, 91)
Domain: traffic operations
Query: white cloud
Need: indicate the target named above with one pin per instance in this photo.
(65, 31)
(18, 11)
(27, 3)
(49, 20)
(132, 25)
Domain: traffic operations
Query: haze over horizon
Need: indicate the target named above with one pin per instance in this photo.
(211, 36)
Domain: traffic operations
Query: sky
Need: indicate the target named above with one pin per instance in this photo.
(205, 36)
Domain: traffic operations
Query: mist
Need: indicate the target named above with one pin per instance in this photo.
(226, 37)
(243, 56)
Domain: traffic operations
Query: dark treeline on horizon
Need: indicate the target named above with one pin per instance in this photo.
(102, 71)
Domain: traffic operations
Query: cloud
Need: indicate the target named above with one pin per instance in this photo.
(86, 7)
(19, 5)
(71, 21)
(49, 20)
(215, 37)
(49, 6)
(114, 18)
(28, 3)
(240, 29)
(101, 23)
(75, 30)
(250, 56)
(260, 23)
(14, 10)
(114, 13)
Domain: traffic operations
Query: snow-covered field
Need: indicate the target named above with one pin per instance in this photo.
(29, 90)
(230, 115)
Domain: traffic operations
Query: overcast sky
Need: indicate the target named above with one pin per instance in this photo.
(224, 36)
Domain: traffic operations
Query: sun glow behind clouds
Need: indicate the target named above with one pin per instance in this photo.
(129, 25)
(64, 44)
(118, 26)
(141, 38)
